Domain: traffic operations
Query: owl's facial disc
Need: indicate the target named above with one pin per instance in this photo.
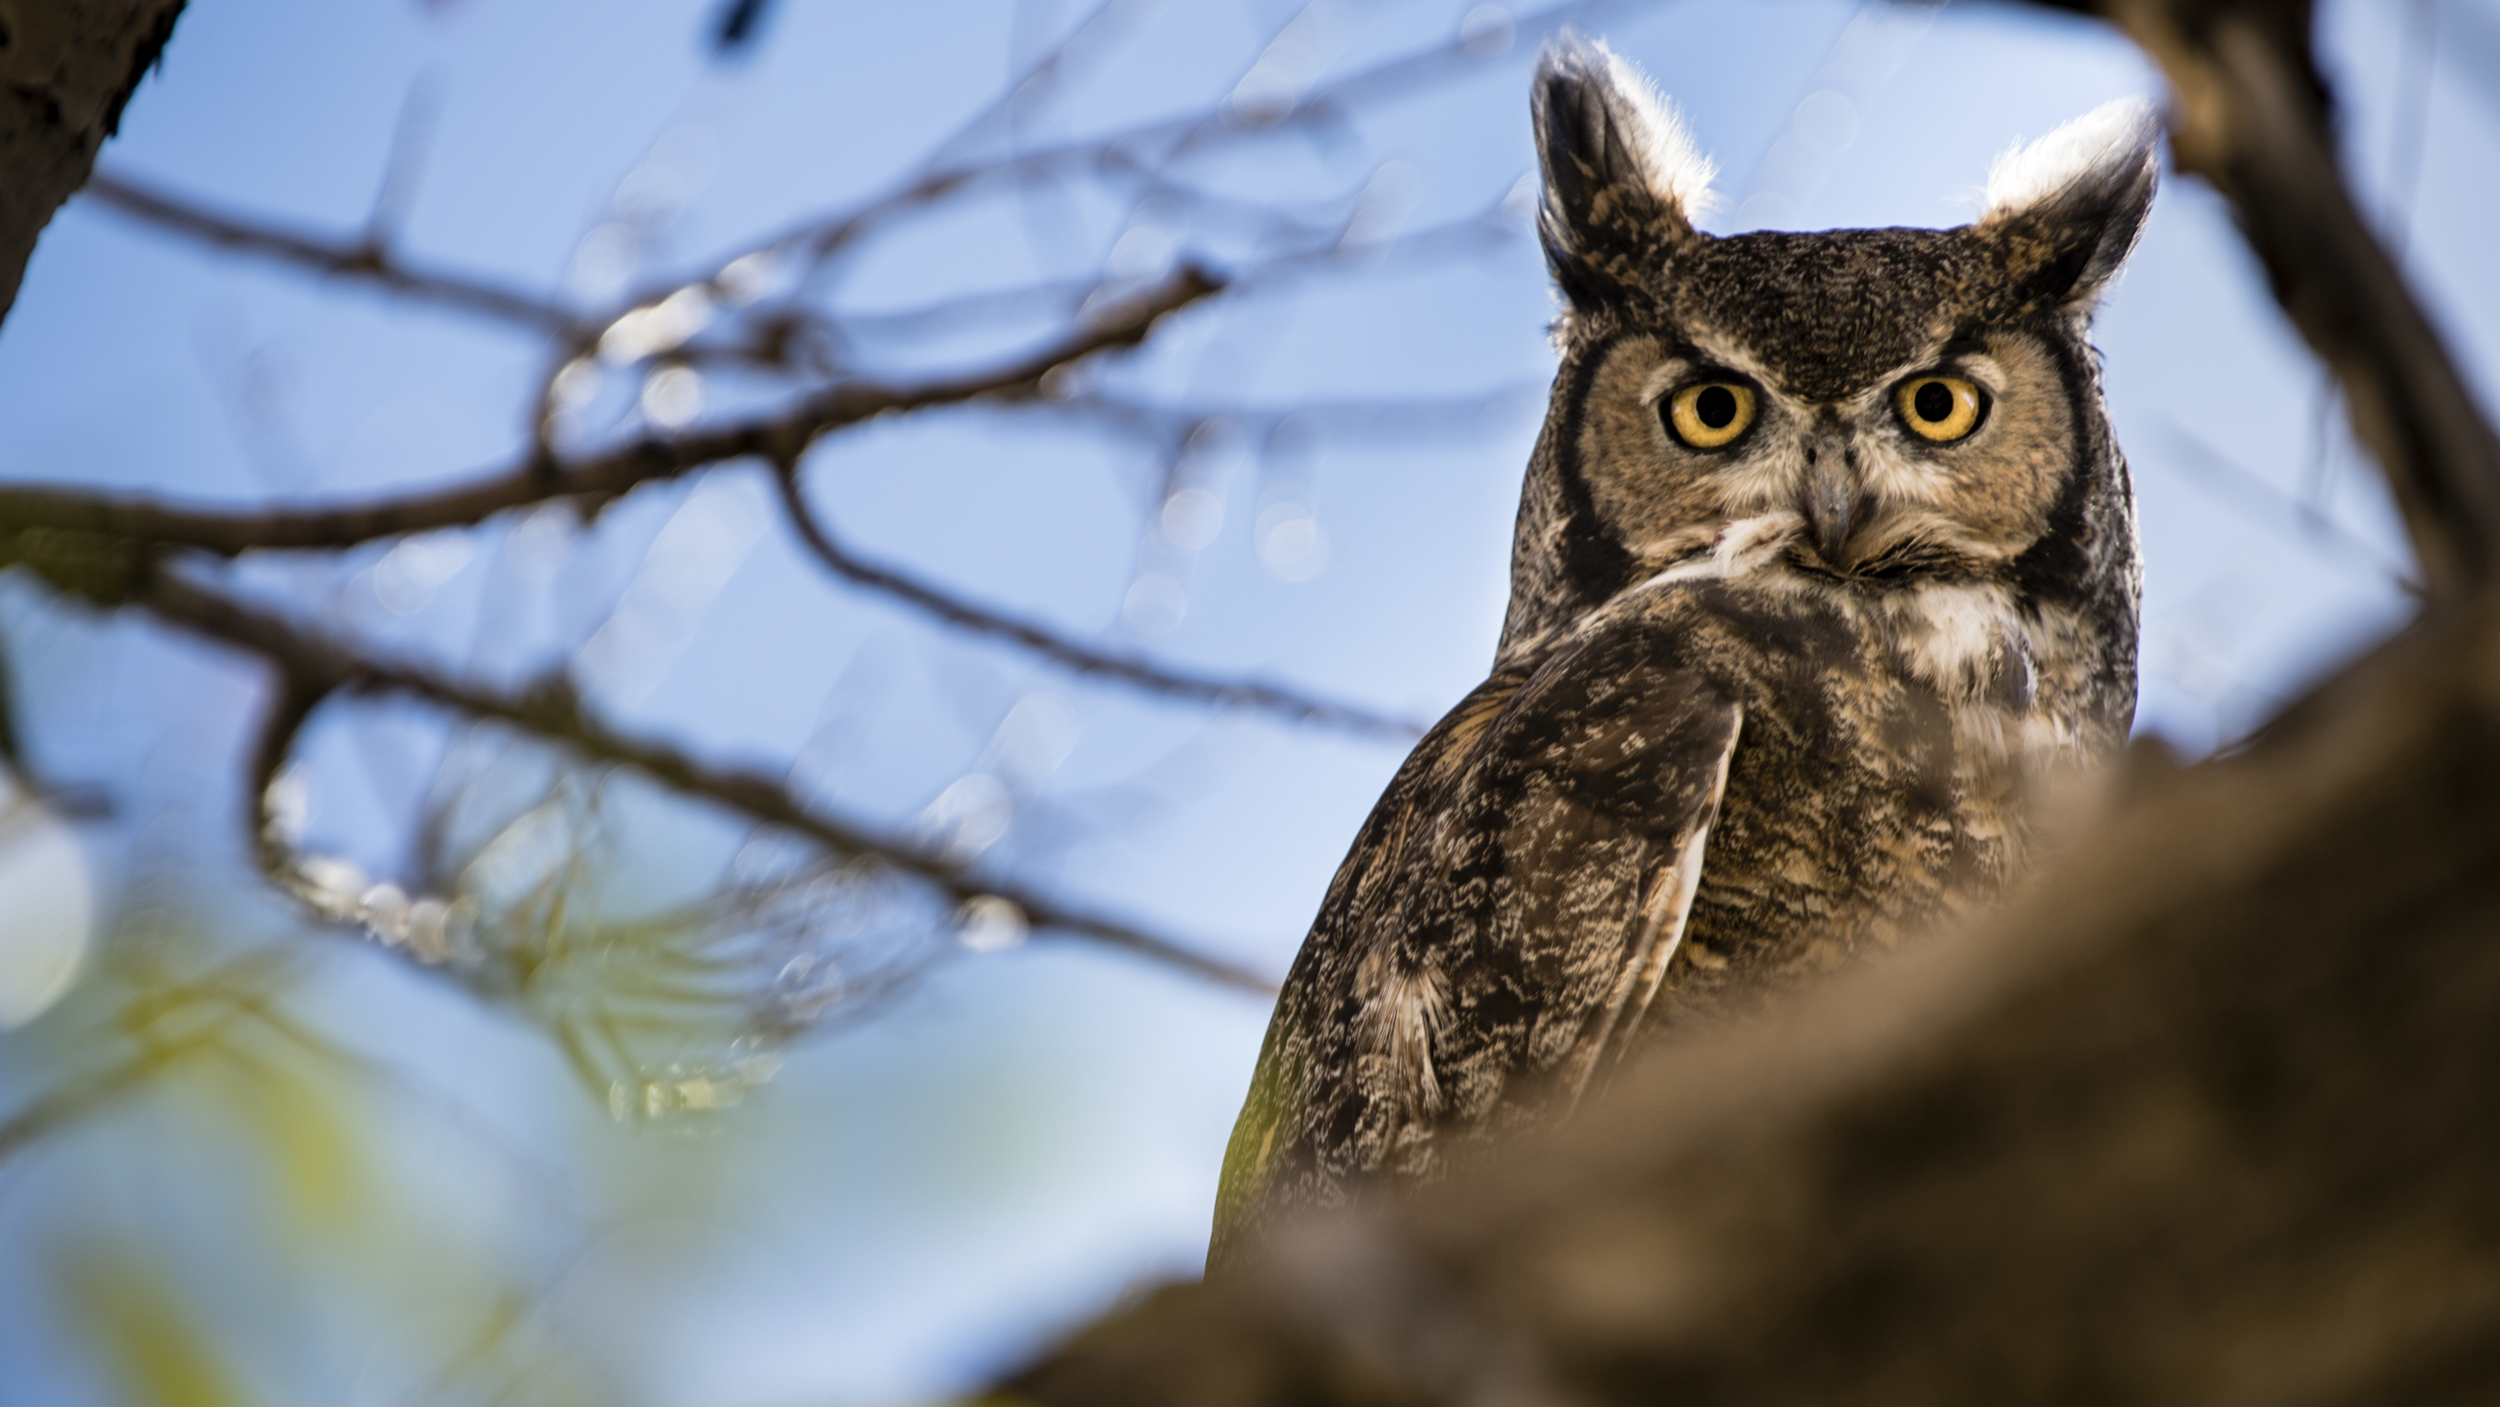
(1946, 464)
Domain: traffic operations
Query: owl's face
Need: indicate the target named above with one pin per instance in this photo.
(1942, 445)
(1910, 406)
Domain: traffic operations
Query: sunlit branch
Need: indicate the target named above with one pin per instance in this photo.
(312, 667)
(1081, 659)
(364, 259)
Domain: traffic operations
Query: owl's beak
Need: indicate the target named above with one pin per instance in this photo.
(1831, 501)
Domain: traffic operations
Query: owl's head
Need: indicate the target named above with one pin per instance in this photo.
(1923, 401)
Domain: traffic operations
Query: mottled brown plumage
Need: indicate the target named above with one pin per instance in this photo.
(1774, 680)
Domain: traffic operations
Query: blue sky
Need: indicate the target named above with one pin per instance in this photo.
(915, 1199)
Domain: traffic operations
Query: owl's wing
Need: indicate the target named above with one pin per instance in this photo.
(1501, 926)
(1565, 869)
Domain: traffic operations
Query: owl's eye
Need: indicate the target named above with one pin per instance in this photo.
(1710, 414)
(1939, 408)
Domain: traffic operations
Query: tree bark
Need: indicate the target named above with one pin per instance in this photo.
(67, 67)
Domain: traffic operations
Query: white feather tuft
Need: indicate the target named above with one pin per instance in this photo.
(1658, 138)
(2025, 176)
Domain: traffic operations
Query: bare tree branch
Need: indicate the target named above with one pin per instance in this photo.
(781, 440)
(367, 258)
(1081, 659)
(227, 995)
(2250, 113)
(2206, 1118)
(309, 667)
(1146, 148)
(648, 459)
(2199, 1118)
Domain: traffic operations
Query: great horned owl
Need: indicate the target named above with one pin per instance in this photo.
(1825, 551)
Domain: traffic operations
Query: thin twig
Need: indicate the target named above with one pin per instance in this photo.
(2221, 471)
(363, 258)
(824, 235)
(309, 665)
(1081, 659)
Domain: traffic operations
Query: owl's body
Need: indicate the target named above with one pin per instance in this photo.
(1825, 556)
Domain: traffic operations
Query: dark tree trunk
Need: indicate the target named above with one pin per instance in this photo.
(66, 69)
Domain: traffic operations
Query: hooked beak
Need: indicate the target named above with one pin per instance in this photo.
(1831, 500)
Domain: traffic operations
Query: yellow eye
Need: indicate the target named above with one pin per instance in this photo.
(1711, 413)
(1939, 408)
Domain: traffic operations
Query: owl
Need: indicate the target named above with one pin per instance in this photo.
(1826, 556)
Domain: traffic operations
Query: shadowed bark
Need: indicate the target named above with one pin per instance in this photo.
(66, 69)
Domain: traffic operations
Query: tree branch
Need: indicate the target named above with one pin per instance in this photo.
(2206, 1118)
(366, 259)
(781, 440)
(1080, 659)
(2250, 113)
(312, 668)
(649, 459)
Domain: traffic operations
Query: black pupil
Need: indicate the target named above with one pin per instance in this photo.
(1933, 403)
(1716, 406)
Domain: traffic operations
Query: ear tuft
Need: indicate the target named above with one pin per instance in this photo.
(2072, 203)
(1623, 177)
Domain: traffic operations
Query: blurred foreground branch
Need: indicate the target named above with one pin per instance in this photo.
(2250, 112)
(654, 376)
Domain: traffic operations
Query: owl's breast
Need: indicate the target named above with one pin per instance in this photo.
(1877, 786)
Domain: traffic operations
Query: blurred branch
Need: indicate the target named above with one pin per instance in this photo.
(312, 668)
(68, 1105)
(739, 23)
(2242, 483)
(2054, 1155)
(1403, 421)
(368, 259)
(1031, 87)
(2251, 113)
(2202, 1117)
(1145, 149)
(648, 459)
(1081, 659)
(781, 439)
